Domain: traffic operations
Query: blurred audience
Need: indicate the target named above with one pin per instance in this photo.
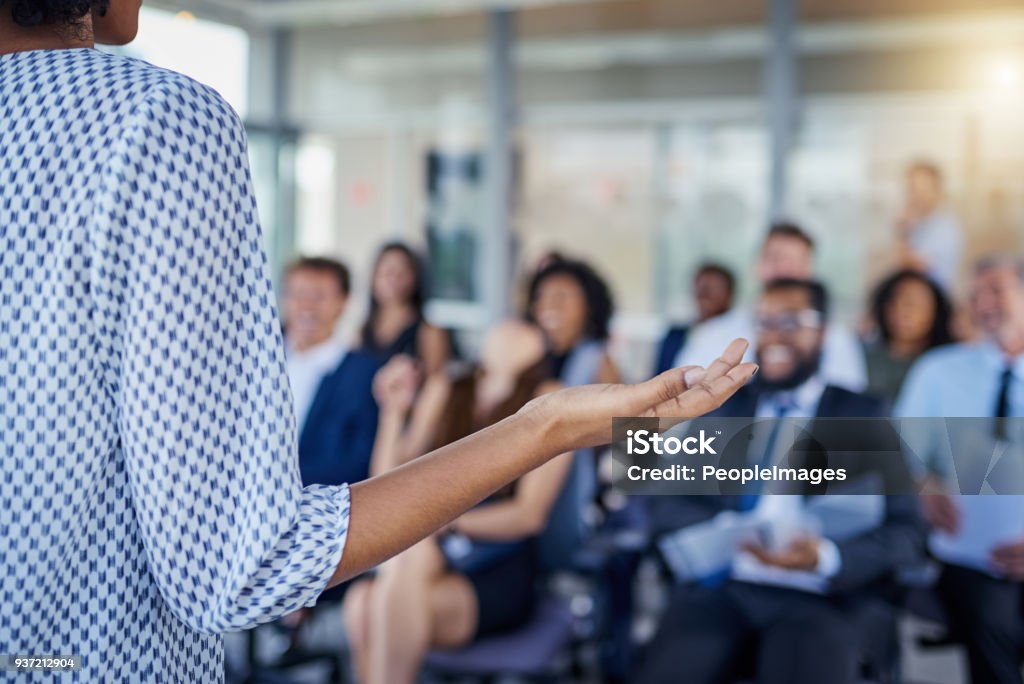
(929, 238)
(787, 252)
(478, 577)
(395, 324)
(799, 606)
(713, 289)
(573, 307)
(910, 315)
(981, 591)
(332, 385)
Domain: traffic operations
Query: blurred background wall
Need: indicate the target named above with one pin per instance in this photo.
(643, 135)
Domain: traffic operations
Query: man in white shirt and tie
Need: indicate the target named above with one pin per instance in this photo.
(981, 585)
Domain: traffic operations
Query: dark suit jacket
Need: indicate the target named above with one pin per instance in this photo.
(868, 560)
(336, 441)
(669, 348)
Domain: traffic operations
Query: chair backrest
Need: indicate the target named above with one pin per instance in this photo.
(567, 526)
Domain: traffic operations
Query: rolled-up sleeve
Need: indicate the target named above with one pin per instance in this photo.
(197, 368)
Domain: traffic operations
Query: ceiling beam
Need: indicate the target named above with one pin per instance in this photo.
(698, 46)
(298, 13)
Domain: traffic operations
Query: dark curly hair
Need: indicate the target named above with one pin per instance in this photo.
(600, 305)
(30, 13)
(941, 330)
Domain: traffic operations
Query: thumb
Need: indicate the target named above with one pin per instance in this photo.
(670, 384)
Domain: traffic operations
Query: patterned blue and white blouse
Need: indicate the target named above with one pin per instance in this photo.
(149, 490)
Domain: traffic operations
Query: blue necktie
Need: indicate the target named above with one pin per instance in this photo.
(783, 405)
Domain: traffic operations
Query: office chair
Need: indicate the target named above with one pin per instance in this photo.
(542, 650)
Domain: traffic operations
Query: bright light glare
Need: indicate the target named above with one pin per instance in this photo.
(211, 53)
(1005, 73)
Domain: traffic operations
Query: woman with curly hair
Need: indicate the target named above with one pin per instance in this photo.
(150, 497)
(572, 304)
(911, 315)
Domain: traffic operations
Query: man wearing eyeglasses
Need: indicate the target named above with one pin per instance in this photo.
(799, 606)
(787, 251)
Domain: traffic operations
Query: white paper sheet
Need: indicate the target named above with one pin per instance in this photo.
(985, 522)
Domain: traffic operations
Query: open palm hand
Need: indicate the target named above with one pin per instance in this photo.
(585, 413)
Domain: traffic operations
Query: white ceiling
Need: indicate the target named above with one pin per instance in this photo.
(296, 13)
(394, 56)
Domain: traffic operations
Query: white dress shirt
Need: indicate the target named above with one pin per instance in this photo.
(306, 370)
(962, 381)
(842, 360)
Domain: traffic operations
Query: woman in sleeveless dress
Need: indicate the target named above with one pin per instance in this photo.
(396, 324)
(479, 577)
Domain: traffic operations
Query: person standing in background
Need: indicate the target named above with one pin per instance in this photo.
(713, 289)
(396, 324)
(911, 314)
(929, 237)
(332, 385)
(787, 252)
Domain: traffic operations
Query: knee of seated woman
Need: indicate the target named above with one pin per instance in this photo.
(424, 560)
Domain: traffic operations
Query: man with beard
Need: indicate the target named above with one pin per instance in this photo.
(787, 251)
(799, 606)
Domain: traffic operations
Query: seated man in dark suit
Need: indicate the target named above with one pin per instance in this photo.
(332, 389)
(332, 385)
(713, 289)
(808, 608)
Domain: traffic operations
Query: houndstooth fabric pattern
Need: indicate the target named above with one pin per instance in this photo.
(150, 497)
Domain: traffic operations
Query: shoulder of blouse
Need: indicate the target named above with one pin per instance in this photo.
(177, 101)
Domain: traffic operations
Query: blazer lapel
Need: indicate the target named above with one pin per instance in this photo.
(321, 401)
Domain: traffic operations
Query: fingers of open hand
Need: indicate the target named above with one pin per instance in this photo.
(728, 361)
(710, 393)
(703, 396)
(692, 390)
(672, 383)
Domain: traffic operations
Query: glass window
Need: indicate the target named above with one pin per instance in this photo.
(212, 53)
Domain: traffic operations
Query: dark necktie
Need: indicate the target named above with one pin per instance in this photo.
(783, 405)
(1003, 403)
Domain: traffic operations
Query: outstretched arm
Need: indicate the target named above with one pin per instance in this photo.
(394, 511)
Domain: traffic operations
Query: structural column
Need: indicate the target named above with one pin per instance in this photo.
(273, 141)
(494, 268)
(781, 101)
